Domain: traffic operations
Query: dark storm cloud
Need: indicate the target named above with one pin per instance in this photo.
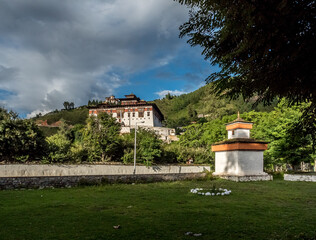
(53, 51)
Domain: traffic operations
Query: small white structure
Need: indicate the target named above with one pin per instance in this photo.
(167, 135)
(240, 158)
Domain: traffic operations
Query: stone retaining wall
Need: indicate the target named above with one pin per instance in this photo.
(48, 175)
(71, 181)
(40, 170)
(300, 177)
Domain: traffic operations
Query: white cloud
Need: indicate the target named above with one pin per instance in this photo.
(163, 93)
(34, 113)
(75, 50)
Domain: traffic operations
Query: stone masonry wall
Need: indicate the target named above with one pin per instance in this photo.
(40, 170)
(49, 175)
(300, 177)
(7, 183)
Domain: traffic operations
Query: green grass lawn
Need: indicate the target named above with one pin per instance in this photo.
(255, 210)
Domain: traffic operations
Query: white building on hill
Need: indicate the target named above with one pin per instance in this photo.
(131, 110)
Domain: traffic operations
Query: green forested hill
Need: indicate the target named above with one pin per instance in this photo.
(178, 110)
(71, 117)
(181, 110)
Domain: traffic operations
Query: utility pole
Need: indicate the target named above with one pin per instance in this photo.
(134, 172)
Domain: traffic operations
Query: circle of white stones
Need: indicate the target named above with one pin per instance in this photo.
(211, 192)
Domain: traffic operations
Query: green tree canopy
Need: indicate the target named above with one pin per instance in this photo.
(101, 137)
(20, 140)
(148, 147)
(59, 144)
(264, 48)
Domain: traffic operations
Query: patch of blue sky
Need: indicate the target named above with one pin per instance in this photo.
(185, 73)
(4, 94)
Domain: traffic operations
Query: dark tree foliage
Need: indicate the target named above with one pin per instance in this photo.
(66, 105)
(264, 48)
(102, 137)
(94, 102)
(169, 96)
(20, 140)
(69, 105)
(192, 113)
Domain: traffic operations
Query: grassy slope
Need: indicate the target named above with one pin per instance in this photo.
(72, 117)
(204, 103)
(254, 210)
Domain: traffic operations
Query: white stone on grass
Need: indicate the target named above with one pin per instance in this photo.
(215, 192)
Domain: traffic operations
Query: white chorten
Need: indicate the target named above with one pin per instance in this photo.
(240, 158)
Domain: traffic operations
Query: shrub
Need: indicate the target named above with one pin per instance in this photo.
(148, 147)
(59, 146)
(101, 138)
(20, 140)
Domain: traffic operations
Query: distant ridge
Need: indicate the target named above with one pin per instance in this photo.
(186, 108)
(178, 110)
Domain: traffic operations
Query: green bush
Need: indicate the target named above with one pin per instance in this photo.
(149, 147)
(59, 146)
(101, 138)
(181, 154)
(78, 152)
(20, 140)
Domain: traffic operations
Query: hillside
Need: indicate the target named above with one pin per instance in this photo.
(181, 110)
(178, 110)
(72, 117)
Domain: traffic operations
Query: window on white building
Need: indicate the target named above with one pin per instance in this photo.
(120, 113)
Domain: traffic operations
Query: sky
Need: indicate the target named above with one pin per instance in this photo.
(77, 50)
